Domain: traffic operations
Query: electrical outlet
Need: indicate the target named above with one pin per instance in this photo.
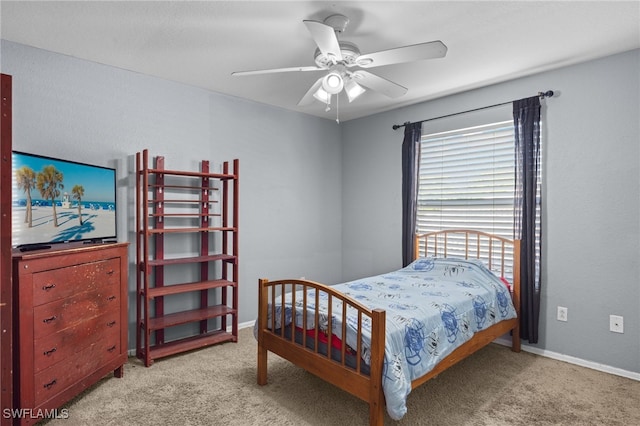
(562, 313)
(616, 323)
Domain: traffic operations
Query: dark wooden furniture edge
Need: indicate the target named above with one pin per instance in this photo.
(6, 301)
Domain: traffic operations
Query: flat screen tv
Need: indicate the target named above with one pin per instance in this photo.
(59, 201)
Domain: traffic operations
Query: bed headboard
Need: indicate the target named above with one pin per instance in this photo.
(497, 252)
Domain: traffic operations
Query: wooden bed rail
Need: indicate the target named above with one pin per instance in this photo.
(304, 297)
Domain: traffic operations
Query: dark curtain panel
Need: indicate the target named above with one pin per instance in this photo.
(410, 160)
(526, 120)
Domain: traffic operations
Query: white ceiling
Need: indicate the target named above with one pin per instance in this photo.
(202, 43)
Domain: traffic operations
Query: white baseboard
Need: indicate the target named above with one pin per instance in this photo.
(572, 360)
(245, 325)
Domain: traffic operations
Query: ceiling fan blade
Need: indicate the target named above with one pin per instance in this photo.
(276, 70)
(379, 84)
(308, 97)
(415, 52)
(325, 38)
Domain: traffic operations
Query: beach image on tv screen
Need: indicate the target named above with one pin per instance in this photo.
(56, 201)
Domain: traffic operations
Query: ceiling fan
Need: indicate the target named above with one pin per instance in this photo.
(346, 66)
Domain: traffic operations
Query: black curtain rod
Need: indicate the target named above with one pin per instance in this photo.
(547, 94)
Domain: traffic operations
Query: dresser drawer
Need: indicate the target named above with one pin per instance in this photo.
(55, 316)
(58, 346)
(53, 380)
(59, 283)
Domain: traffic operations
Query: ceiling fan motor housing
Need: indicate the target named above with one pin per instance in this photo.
(349, 51)
(338, 22)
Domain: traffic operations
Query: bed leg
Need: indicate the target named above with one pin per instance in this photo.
(262, 365)
(515, 339)
(263, 302)
(376, 414)
(376, 395)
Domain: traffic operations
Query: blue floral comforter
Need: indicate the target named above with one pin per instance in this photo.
(432, 306)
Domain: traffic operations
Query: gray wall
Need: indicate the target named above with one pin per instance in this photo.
(591, 217)
(323, 201)
(290, 176)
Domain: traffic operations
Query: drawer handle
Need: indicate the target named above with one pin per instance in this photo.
(50, 384)
(48, 320)
(48, 287)
(111, 324)
(111, 272)
(112, 348)
(110, 298)
(49, 352)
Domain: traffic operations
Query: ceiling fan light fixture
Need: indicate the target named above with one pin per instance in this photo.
(322, 95)
(333, 83)
(353, 90)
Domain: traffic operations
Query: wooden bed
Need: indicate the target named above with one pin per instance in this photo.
(501, 255)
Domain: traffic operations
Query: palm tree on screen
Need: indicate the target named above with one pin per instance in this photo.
(26, 180)
(49, 183)
(77, 193)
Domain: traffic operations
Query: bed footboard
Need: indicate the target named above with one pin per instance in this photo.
(307, 350)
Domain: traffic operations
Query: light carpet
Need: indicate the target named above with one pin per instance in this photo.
(217, 386)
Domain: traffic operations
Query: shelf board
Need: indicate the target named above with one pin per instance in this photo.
(185, 317)
(174, 186)
(185, 230)
(183, 201)
(183, 288)
(190, 174)
(185, 215)
(190, 343)
(194, 259)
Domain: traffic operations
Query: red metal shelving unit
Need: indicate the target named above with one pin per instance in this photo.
(171, 202)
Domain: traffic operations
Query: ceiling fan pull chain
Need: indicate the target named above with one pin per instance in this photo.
(338, 108)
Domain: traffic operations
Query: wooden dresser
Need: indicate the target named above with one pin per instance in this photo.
(71, 323)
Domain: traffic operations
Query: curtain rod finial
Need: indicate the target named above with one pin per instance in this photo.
(397, 126)
(547, 94)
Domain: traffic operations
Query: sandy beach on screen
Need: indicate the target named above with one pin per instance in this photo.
(96, 223)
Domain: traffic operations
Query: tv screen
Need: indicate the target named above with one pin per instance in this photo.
(58, 201)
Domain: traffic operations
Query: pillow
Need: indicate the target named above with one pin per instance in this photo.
(421, 264)
(506, 282)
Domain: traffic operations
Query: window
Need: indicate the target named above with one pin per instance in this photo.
(466, 180)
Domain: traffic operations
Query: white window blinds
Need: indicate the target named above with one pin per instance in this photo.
(466, 180)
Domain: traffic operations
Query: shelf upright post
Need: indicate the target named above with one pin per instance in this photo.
(159, 210)
(142, 224)
(204, 238)
(225, 240)
(140, 266)
(236, 201)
